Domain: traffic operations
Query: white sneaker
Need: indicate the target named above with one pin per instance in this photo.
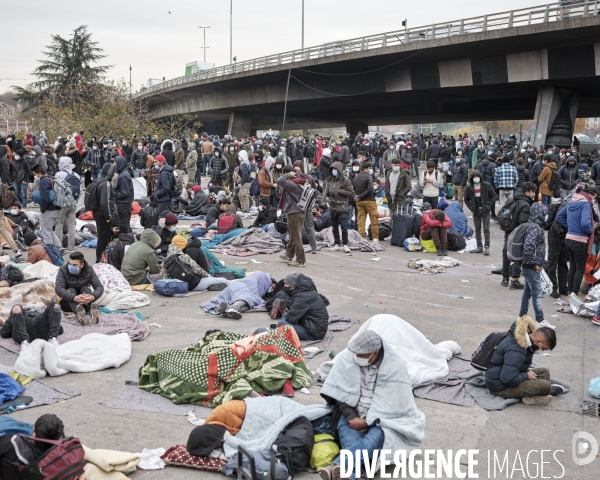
(545, 323)
(53, 341)
(335, 248)
(346, 249)
(24, 346)
(375, 240)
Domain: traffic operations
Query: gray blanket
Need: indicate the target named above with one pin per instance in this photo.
(255, 240)
(451, 388)
(324, 238)
(336, 324)
(477, 389)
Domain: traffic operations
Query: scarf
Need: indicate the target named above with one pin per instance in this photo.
(299, 180)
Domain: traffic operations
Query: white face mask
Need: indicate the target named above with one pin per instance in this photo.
(476, 180)
(94, 147)
(279, 166)
(232, 149)
(396, 169)
(140, 148)
(370, 171)
(14, 211)
(362, 362)
(355, 169)
(334, 172)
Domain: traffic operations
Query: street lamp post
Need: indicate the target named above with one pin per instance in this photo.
(230, 31)
(302, 24)
(204, 28)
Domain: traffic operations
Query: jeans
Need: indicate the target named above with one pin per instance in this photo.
(533, 290)
(564, 193)
(558, 259)
(96, 173)
(506, 196)
(357, 442)
(67, 306)
(44, 327)
(309, 225)
(339, 220)
(507, 271)
(578, 252)
(47, 221)
(67, 214)
(351, 211)
(302, 333)
(137, 173)
(478, 218)
(205, 162)
(433, 201)
(364, 208)
(546, 199)
(21, 191)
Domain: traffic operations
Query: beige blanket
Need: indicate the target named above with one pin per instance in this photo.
(32, 294)
(109, 464)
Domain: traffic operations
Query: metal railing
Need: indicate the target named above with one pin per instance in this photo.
(497, 21)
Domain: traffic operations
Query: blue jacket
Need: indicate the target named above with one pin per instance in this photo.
(569, 176)
(91, 158)
(164, 184)
(124, 187)
(245, 170)
(45, 187)
(512, 357)
(576, 216)
(488, 170)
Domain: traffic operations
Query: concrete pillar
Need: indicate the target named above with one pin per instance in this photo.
(240, 124)
(555, 114)
(354, 127)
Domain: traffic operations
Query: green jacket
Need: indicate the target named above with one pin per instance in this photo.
(179, 158)
(139, 256)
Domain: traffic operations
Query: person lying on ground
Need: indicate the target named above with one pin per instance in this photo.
(266, 214)
(166, 229)
(140, 259)
(26, 324)
(37, 252)
(509, 374)
(16, 452)
(78, 288)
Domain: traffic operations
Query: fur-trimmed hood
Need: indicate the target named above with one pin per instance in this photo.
(521, 330)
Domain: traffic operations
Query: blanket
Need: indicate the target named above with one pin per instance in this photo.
(90, 353)
(250, 289)
(265, 419)
(588, 307)
(31, 294)
(109, 464)
(227, 366)
(431, 267)
(451, 388)
(460, 223)
(425, 361)
(312, 348)
(42, 269)
(216, 267)
(111, 278)
(123, 300)
(393, 404)
(324, 238)
(222, 237)
(254, 240)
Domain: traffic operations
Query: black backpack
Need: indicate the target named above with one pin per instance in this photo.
(91, 200)
(176, 187)
(482, 356)
(554, 182)
(51, 166)
(178, 269)
(509, 216)
(310, 151)
(294, 445)
(455, 241)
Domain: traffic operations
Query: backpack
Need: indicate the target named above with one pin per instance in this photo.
(509, 216)
(149, 216)
(225, 224)
(176, 186)
(8, 196)
(51, 166)
(515, 243)
(310, 151)
(554, 182)
(63, 193)
(455, 241)
(63, 461)
(170, 287)
(483, 353)
(295, 444)
(308, 198)
(281, 224)
(91, 200)
(324, 451)
(54, 254)
(254, 188)
(178, 269)
(75, 185)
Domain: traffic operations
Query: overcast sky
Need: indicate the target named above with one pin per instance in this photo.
(158, 44)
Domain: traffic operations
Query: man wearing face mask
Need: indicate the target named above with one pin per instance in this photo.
(338, 190)
(95, 160)
(219, 167)
(231, 155)
(166, 229)
(389, 155)
(78, 287)
(479, 197)
(138, 160)
(364, 197)
(267, 214)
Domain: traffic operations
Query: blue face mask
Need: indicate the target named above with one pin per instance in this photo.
(73, 270)
(260, 209)
(173, 229)
(334, 172)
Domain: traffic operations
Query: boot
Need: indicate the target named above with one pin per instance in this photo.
(439, 252)
(516, 285)
(444, 251)
(555, 294)
(504, 282)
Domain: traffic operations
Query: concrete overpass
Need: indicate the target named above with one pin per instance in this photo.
(541, 63)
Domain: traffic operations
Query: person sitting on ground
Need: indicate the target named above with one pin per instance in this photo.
(229, 220)
(26, 324)
(433, 227)
(119, 249)
(200, 204)
(325, 221)
(308, 312)
(218, 208)
(378, 190)
(73, 282)
(166, 229)
(140, 258)
(194, 250)
(266, 213)
(16, 451)
(509, 374)
(17, 215)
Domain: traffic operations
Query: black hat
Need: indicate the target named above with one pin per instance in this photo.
(204, 439)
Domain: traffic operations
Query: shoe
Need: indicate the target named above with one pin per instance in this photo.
(330, 472)
(210, 332)
(555, 294)
(477, 250)
(346, 249)
(273, 326)
(557, 390)
(541, 400)
(285, 258)
(233, 314)
(335, 248)
(496, 271)
(544, 323)
(439, 252)
(53, 341)
(17, 254)
(486, 250)
(94, 312)
(22, 247)
(596, 320)
(217, 287)
(24, 346)
(72, 250)
(444, 251)
(222, 307)
(563, 292)
(287, 390)
(278, 309)
(314, 252)
(504, 282)
(80, 312)
(295, 263)
(375, 240)
(516, 285)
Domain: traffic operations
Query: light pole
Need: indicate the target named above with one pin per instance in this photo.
(230, 31)
(302, 24)
(204, 28)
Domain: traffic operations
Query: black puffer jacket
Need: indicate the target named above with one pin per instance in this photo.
(120, 248)
(308, 308)
(194, 250)
(523, 174)
(461, 173)
(87, 277)
(200, 204)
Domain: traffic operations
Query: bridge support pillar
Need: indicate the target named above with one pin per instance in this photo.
(354, 127)
(555, 114)
(240, 124)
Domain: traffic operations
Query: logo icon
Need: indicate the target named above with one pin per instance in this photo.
(584, 448)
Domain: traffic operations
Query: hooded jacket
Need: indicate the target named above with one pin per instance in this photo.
(403, 186)
(534, 245)
(164, 184)
(461, 173)
(168, 153)
(245, 168)
(545, 177)
(338, 190)
(120, 247)
(308, 308)
(576, 217)
(124, 186)
(104, 191)
(85, 278)
(200, 204)
(140, 256)
(523, 174)
(513, 356)
(488, 170)
(569, 174)
(488, 195)
(265, 179)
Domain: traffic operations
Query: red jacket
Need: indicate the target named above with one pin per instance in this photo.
(429, 221)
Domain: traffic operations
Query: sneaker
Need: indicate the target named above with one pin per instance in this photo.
(346, 249)
(278, 308)
(217, 287)
(486, 250)
(94, 312)
(335, 248)
(287, 390)
(233, 314)
(314, 252)
(330, 472)
(477, 250)
(295, 263)
(80, 313)
(516, 285)
(273, 326)
(222, 307)
(24, 346)
(540, 400)
(544, 323)
(555, 294)
(375, 240)
(17, 254)
(444, 252)
(22, 247)
(596, 320)
(439, 252)
(285, 258)
(557, 390)
(504, 282)
(53, 341)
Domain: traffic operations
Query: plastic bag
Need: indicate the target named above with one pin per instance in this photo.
(546, 283)
(429, 246)
(412, 244)
(594, 388)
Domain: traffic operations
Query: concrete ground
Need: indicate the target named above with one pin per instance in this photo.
(463, 304)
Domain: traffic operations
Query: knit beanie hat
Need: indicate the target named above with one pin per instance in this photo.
(171, 219)
(179, 241)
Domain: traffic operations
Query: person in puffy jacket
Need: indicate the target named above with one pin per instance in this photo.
(522, 173)
(164, 183)
(459, 179)
(123, 194)
(569, 177)
(509, 374)
(434, 150)
(338, 191)
(479, 197)
(140, 258)
(433, 227)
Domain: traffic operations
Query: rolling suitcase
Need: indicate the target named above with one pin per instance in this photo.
(417, 225)
(402, 226)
